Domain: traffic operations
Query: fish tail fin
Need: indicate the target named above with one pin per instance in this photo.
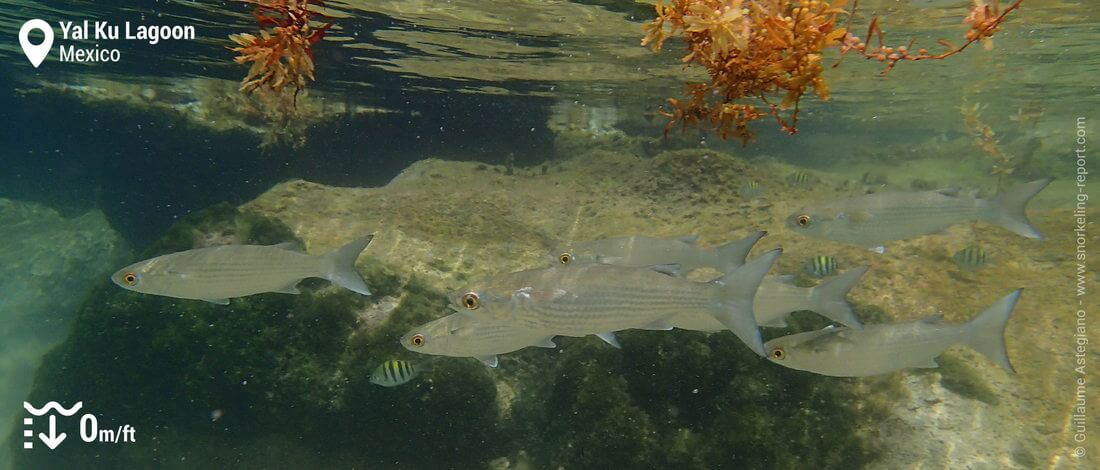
(338, 266)
(1007, 208)
(733, 303)
(733, 254)
(987, 330)
(831, 295)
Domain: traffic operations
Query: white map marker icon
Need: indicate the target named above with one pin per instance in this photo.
(36, 53)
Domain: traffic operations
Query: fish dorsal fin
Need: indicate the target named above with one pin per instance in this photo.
(950, 192)
(688, 239)
(547, 342)
(659, 325)
(288, 246)
(490, 361)
(667, 269)
(218, 301)
(936, 319)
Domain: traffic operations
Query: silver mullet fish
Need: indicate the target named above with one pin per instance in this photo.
(638, 251)
(467, 334)
(873, 220)
(601, 299)
(884, 348)
(217, 274)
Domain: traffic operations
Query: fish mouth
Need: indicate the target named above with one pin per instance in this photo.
(116, 279)
(404, 341)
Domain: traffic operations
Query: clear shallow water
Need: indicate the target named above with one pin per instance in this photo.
(551, 101)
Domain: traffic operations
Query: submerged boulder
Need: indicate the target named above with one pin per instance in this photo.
(269, 368)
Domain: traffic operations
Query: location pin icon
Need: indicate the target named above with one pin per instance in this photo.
(36, 53)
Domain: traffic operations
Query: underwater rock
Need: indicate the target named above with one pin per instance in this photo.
(427, 229)
(179, 369)
(215, 105)
(687, 400)
(48, 263)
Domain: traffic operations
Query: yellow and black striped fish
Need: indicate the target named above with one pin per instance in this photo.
(822, 266)
(393, 373)
(800, 179)
(750, 190)
(971, 257)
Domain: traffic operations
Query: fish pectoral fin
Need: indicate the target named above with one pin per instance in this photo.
(935, 319)
(667, 269)
(855, 217)
(289, 246)
(217, 301)
(540, 295)
(291, 289)
(490, 361)
(952, 192)
(612, 260)
(661, 325)
(610, 338)
(878, 249)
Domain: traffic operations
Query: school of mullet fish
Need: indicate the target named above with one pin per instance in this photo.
(604, 286)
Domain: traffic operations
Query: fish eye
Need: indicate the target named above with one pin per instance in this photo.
(804, 220)
(778, 354)
(130, 279)
(471, 300)
(417, 340)
(565, 258)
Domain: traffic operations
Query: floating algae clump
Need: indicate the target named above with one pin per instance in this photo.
(763, 56)
(688, 400)
(284, 55)
(270, 380)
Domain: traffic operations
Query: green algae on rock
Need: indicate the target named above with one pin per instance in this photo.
(687, 400)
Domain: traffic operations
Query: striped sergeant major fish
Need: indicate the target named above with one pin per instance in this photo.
(971, 258)
(750, 190)
(394, 372)
(822, 265)
(800, 179)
